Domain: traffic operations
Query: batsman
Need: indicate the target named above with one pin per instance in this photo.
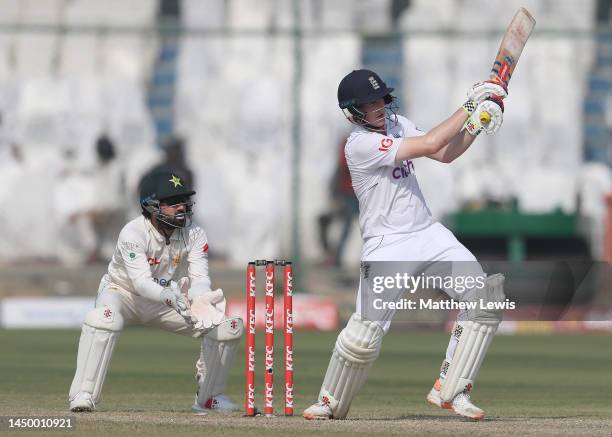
(158, 277)
(396, 225)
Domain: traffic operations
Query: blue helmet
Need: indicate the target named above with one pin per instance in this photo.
(362, 86)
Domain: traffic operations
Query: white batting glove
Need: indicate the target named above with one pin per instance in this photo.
(208, 309)
(173, 297)
(488, 117)
(484, 90)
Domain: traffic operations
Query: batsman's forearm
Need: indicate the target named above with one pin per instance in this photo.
(433, 141)
(457, 146)
(445, 132)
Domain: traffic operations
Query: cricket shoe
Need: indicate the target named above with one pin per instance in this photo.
(433, 397)
(82, 402)
(318, 411)
(461, 404)
(216, 404)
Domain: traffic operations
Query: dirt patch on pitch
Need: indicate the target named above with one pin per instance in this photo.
(237, 425)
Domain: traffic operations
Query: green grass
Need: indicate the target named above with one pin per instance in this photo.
(526, 381)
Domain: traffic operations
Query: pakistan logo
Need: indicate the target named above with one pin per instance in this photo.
(176, 181)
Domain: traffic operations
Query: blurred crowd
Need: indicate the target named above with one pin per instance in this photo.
(78, 132)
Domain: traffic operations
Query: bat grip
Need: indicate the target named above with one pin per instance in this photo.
(484, 117)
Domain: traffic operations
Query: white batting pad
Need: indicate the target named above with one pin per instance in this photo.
(475, 336)
(98, 336)
(357, 347)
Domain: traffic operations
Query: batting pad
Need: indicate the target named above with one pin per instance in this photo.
(475, 337)
(216, 356)
(357, 347)
(98, 336)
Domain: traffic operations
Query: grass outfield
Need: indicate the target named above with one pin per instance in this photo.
(529, 385)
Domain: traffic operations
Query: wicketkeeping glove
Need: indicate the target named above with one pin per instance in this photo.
(173, 297)
(208, 309)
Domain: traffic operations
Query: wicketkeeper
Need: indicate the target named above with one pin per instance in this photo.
(158, 277)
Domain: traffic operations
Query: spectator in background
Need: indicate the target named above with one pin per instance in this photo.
(345, 208)
(89, 206)
(109, 212)
(174, 161)
(74, 199)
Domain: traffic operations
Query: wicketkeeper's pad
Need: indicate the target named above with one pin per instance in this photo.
(216, 356)
(98, 336)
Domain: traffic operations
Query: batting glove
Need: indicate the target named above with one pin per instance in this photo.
(488, 116)
(484, 90)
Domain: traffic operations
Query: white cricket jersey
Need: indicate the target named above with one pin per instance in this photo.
(390, 200)
(144, 264)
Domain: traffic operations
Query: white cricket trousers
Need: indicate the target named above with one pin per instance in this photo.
(418, 249)
(137, 310)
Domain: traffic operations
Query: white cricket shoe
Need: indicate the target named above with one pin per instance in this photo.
(318, 411)
(218, 404)
(433, 397)
(461, 404)
(82, 402)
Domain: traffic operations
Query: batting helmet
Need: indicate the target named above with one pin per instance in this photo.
(362, 86)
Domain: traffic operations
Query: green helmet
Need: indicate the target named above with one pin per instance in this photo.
(163, 185)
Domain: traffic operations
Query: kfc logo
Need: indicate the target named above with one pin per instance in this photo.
(288, 322)
(251, 283)
(289, 283)
(269, 283)
(269, 396)
(251, 396)
(288, 395)
(252, 321)
(251, 358)
(289, 358)
(269, 359)
(269, 319)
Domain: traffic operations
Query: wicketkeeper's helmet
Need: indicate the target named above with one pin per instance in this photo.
(167, 187)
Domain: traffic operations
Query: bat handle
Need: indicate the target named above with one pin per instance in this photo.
(485, 117)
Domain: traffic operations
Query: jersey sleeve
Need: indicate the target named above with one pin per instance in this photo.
(372, 150)
(131, 246)
(410, 129)
(198, 261)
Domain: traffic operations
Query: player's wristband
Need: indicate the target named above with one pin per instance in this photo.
(469, 107)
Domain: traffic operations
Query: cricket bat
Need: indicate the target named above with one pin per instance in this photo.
(509, 51)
